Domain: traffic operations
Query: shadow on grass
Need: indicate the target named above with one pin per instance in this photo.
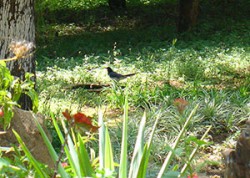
(98, 32)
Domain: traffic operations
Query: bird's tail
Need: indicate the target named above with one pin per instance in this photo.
(128, 75)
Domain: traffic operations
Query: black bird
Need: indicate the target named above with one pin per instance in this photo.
(115, 76)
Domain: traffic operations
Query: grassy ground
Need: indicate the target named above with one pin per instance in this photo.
(209, 66)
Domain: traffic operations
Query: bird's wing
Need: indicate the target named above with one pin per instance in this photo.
(116, 75)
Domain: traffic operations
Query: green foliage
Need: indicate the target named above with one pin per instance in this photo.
(80, 163)
(10, 92)
(14, 167)
(124, 146)
(37, 167)
(208, 66)
(6, 98)
(69, 4)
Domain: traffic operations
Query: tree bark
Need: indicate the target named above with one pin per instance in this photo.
(116, 5)
(17, 24)
(237, 161)
(188, 14)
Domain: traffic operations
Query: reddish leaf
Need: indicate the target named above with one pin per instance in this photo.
(82, 118)
(193, 176)
(94, 128)
(67, 115)
(90, 128)
(181, 104)
(83, 121)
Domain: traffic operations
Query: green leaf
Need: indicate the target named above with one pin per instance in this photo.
(70, 153)
(106, 158)
(138, 150)
(146, 152)
(2, 63)
(101, 140)
(195, 140)
(84, 159)
(177, 141)
(191, 156)
(4, 163)
(177, 151)
(52, 151)
(109, 158)
(124, 146)
(34, 97)
(17, 90)
(171, 174)
(32, 160)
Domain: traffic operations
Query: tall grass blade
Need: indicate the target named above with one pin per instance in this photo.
(184, 168)
(32, 160)
(70, 157)
(52, 152)
(72, 154)
(170, 154)
(106, 158)
(138, 150)
(146, 152)
(124, 146)
(84, 159)
(109, 158)
(101, 140)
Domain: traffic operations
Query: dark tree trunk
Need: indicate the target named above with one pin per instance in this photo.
(17, 24)
(237, 160)
(116, 5)
(188, 13)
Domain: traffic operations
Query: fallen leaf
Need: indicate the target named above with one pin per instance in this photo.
(181, 104)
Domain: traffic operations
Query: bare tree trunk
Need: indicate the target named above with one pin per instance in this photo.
(237, 161)
(17, 24)
(188, 13)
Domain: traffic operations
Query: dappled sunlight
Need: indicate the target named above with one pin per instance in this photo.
(208, 67)
(126, 88)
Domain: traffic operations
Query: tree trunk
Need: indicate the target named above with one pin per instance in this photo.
(188, 13)
(17, 24)
(116, 5)
(237, 161)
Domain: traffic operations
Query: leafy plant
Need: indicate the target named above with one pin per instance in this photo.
(208, 66)
(82, 165)
(15, 166)
(11, 88)
(10, 91)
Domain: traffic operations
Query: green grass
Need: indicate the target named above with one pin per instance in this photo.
(209, 66)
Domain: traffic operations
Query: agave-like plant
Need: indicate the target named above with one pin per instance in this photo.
(80, 164)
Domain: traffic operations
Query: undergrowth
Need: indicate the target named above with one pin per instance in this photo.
(209, 66)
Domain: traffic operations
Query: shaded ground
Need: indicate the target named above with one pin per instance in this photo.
(105, 37)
